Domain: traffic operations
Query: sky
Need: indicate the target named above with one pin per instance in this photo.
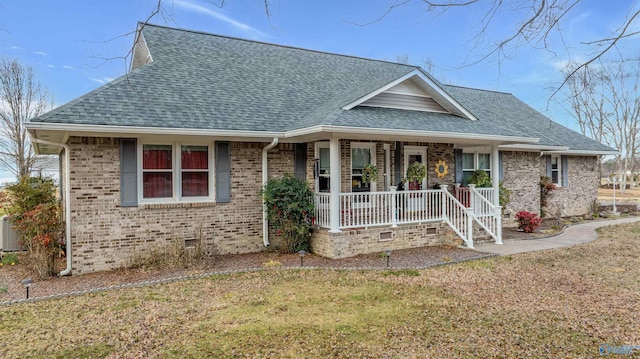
(75, 46)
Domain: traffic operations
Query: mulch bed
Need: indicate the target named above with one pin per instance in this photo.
(10, 276)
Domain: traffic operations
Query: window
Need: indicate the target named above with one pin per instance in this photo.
(362, 154)
(195, 171)
(157, 171)
(472, 161)
(323, 167)
(556, 170)
(176, 172)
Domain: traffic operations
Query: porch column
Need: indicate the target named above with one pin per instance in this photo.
(334, 185)
(495, 175)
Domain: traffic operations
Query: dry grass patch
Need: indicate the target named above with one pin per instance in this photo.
(560, 303)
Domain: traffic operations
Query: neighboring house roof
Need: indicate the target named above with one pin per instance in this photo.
(200, 81)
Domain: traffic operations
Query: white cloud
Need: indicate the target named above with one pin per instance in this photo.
(68, 67)
(16, 48)
(248, 29)
(103, 80)
(51, 66)
(562, 65)
(41, 53)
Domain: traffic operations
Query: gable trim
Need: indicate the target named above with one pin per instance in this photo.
(423, 77)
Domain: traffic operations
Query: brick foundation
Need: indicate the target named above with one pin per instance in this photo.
(352, 242)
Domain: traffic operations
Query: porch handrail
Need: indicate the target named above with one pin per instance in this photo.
(458, 217)
(487, 215)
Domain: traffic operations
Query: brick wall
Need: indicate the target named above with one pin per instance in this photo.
(105, 235)
(522, 171)
(579, 196)
(522, 177)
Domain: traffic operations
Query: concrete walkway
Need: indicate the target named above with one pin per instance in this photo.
(576, 234)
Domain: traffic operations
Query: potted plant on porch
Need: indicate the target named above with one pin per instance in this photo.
(416, 172)
(369, 173)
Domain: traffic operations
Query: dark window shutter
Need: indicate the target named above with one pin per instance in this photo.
(458, 164)
(300, 161)
(223, 172)
(548, 158)
(128, 173)
(565, 171)
(501, 169)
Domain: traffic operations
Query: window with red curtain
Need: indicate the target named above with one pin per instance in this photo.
(195, 171)
(157, 171)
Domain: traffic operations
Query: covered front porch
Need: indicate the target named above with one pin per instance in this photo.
(390, 203)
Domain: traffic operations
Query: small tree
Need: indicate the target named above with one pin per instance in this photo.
(289, 204)
(35, 213)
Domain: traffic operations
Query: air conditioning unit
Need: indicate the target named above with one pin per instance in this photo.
(9, 241)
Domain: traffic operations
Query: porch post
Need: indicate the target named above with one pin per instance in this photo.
(334, 185)
(495, 175)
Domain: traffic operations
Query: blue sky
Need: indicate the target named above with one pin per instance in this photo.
(75, 46)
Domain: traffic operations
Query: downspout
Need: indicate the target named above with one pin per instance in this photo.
(265, 178)
(67, 202)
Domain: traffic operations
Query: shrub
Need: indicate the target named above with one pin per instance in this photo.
(41, 231)
(289, 204)
(528, 221)
(35, 214)
(546, 188)
(505, 195)
(480, 178)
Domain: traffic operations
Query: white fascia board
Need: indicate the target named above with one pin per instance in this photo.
(582, 153)
(132, 131)
(446, 96)
(380, 90)
(527, 147)
(124, 131)
(423, 77)
(413, 133)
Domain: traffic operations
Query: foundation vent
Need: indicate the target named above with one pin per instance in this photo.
(432, 230)
(386, 236)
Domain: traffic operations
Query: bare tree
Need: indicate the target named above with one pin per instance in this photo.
(21, 98)
(533, 23)
(605, 104)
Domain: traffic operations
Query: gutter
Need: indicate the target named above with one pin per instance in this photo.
(67, 203)
(265, 178)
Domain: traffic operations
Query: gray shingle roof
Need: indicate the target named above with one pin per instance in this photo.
(210, 82)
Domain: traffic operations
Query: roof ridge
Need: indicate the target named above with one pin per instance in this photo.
(479, 89)
(273, 44)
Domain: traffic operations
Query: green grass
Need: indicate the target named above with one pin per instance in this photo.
(560, 303)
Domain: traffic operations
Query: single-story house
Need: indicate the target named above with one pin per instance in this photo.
(180, 146)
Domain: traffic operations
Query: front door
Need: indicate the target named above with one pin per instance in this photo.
(415, 154)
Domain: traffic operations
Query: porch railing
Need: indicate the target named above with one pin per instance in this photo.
(458, 217)
(323, 209)
(393, 208)
(487, 215)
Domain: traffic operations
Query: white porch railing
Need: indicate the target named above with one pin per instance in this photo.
(487, 215)
(323, 209)
(393, 208)
(458, 217)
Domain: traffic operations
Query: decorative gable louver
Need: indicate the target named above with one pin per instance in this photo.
(407, 95)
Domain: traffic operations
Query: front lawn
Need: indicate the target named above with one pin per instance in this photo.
(559, 303)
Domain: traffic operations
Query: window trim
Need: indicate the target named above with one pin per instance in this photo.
(476, 160)
(559, 170)
(317, 147)
(176, 172)
(372, 151)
